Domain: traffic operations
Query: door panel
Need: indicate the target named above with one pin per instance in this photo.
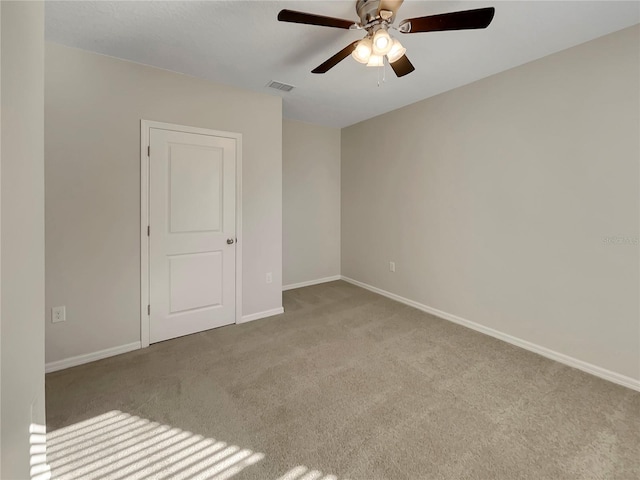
(192, 179)
(195, 281)
(196, 176)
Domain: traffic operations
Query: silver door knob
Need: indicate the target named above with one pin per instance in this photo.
(230, 241)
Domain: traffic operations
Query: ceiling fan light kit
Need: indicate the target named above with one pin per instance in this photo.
(397, 51)
(381, 41)
(376, 18)
(363, 50)
(375, 61)
(371, 51)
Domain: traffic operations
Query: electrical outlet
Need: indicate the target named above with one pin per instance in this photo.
(58, 314)
(392, 266)
(269, 277)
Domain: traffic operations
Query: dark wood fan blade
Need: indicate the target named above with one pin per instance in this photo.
(402, 66)
(292, 16)
(336, 59)
(465, 20)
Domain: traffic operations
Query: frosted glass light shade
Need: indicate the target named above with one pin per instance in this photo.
(362, 52)
(375, 61)
(396, 52)
(381, 42)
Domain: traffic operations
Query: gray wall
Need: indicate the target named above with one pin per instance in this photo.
(497, 202)
(93, 109)
(311, 202)
(22, 231)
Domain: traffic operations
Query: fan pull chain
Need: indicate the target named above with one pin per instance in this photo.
(383, 67)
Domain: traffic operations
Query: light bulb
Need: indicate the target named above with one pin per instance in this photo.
(396, 52)
(381, 42)
(362, 52)
(375, 61)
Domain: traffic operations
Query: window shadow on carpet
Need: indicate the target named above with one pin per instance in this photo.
(120, 446)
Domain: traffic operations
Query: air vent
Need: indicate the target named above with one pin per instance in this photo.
(280, 86)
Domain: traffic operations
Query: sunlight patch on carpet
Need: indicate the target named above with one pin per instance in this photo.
(303, 473)
(119, 446)
(39, 470)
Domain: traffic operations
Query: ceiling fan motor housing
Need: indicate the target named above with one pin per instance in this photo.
(367, 10)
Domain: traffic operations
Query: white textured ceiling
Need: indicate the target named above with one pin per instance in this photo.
(241, 43)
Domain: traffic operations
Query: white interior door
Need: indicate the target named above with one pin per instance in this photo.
(192, 223)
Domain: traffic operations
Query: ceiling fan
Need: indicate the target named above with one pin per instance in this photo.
(376, 18)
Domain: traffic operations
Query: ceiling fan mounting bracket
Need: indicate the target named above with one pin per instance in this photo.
(386, 15)
(404, 27)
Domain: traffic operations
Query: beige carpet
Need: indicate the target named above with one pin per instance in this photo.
(345, 384)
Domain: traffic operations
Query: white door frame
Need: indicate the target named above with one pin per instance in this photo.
(145, 126)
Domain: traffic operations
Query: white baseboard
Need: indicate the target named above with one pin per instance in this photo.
(311, 282)
(110, 352)
(90, 357)
(603, 373)
(259, 315)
